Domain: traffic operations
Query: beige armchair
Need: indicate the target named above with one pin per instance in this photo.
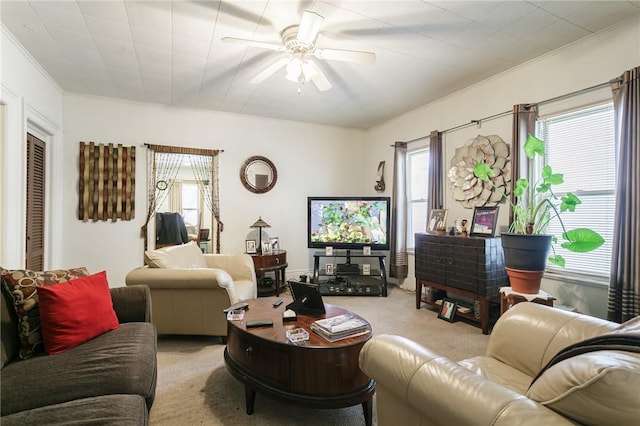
(598, 384)
(189, 289)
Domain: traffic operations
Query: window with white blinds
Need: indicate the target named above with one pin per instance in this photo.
(418, 175)
(581, 145)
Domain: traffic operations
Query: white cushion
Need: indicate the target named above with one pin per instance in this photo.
(176, 257)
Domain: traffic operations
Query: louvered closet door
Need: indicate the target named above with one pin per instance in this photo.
(36, 150)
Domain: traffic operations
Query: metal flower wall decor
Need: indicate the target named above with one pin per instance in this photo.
(466, 187)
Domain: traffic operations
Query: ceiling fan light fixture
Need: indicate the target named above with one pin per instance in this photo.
(299, 71)
(294, 69)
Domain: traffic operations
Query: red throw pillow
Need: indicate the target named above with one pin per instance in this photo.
(76, 311)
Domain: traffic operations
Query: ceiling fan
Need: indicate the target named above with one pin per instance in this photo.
(299, 41)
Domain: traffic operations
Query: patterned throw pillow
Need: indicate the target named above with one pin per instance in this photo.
(20, 286)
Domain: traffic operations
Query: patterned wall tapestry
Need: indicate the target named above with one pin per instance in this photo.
(107, 182)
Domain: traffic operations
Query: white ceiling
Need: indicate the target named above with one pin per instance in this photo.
(169, 52)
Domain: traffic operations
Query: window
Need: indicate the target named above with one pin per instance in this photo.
(581, 145)
(418, 173)
(190, 203)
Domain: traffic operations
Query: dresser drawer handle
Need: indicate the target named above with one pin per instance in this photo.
(277, 260)
(249, 351)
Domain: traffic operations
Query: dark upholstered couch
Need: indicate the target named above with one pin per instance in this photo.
(110, 379)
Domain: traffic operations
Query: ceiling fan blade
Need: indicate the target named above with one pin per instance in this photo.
(269, 71)
(345, 55)
(318, 78)
(241, 13)
(254, 43)
(309, 27)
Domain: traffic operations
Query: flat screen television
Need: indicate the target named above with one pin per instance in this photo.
(348, 222)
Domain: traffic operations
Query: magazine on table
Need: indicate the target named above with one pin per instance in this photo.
(340, 327)
(334, 337)
(340, 323)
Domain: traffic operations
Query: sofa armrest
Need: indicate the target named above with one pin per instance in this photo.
(239, 266)
(543, 331)
(132, 304)
(159, 278)
(417, 386)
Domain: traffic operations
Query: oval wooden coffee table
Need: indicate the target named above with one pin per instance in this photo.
(315, 374)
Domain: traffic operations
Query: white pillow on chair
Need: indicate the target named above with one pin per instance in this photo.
(182, 256)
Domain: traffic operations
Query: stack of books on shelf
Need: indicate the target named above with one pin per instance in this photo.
(340, 327)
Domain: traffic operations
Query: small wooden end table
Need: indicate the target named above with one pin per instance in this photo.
(271, 262)
(508, 298)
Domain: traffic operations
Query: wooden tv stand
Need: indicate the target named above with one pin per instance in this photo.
(352, 283)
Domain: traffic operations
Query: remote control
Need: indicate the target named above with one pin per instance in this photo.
(237, 306)
(277, 303)
(259, 323)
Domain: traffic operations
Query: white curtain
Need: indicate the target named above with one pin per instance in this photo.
(175, 197)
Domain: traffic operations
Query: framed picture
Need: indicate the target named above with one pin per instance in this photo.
(266, 247)
(448, 309)
(366, 250)
(437, 220)
(250, 246)
(484, 221)
(328, 251)
(275, 243)
(329, 269)
(366, 269)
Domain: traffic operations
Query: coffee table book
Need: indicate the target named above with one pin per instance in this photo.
(340, 327)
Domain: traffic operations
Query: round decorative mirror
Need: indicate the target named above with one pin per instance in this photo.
(258, 174)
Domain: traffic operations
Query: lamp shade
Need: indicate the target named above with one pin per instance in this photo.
(260, 224)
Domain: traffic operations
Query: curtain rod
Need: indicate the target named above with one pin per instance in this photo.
(168, 148)
(472, 122)
(478, 122)
(577, 92)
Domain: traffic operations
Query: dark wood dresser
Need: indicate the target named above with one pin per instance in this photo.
(472, 267)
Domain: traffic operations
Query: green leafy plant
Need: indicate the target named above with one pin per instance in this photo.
(536, 206)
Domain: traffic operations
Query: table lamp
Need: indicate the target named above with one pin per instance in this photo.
(260, 224)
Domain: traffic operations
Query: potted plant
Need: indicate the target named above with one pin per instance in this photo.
(526, 246)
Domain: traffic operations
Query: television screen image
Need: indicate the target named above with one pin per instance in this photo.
(349, 222)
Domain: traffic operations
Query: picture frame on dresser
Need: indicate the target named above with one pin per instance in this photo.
(448, 310)
(484, 221)
(250, 246)
(437, 220)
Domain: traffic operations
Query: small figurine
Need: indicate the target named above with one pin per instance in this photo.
(463, 227)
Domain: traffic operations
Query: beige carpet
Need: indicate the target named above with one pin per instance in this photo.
(194, 387)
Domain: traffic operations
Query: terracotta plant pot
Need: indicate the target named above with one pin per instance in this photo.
(527, 282)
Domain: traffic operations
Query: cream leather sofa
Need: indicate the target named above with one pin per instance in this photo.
(189, 289)
(415, 386)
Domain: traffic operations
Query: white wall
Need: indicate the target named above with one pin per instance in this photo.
(310, 160)
(589, 62)
(32, 102)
